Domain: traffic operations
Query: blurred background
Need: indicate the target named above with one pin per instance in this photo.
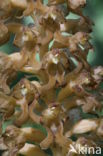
(93, 9)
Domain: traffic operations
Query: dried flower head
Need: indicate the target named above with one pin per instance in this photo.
(57, 85)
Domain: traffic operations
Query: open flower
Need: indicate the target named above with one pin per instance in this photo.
(44, 108)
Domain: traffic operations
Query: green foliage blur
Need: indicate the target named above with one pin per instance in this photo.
(94, 10)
